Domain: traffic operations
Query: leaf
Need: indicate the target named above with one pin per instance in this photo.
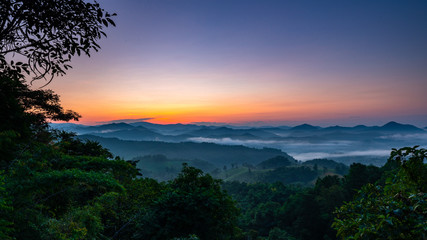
(111, 22)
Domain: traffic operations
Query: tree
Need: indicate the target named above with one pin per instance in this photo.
(45, 35)
(48, 33)
(24, 116)
(5, 210)
(360, 175)
(24, 108)
(279, 234)
(394, 211)
(59, 196)
(193, 203)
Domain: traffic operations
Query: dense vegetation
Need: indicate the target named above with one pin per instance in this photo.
(56, 186)
(371, 202)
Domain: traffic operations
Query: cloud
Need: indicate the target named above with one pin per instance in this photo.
(416, 136)
(126, 120)
(313, 155)
(303, 151)
(268, 143)
(229, 141)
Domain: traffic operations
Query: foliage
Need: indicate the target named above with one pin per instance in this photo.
(396, 211)
(163, 168)
(360, 175)
(275, 210)
(57, 196)
(190, 237)
(79, 223)
(291, 175)
(48, 33)
(23, 122)
(193, 203)
(25, 112)
(56, 186)
(261, 206)
(70, 145)
(279, 234)
(5, 210)
(276, 162)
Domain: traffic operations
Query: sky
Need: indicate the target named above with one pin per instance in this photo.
(255, 62)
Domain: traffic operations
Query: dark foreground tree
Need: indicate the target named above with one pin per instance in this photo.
(193, 203)
(397, 210)
(46, 34)
(24, 116)
(40, 37)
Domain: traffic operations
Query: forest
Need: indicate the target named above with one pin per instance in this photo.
(54, 185)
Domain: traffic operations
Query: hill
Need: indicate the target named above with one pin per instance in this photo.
(394, 126)
(162, 168)
(216, 154)
(339, 168)
(276, 162)
(282, 169)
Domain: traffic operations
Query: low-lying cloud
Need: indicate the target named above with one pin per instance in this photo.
(314, 155)
(303, 151)
(412, 137)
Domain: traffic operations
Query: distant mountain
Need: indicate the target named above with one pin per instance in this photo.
(109, 127)
(337, 128)
(304, 127)
(345, 144)
(181, 132)
(219, 155)
(82, 129)
(136, 133)
(360, 127)
(67, 126)
(223, 132)
(168, 129)
(394, 126)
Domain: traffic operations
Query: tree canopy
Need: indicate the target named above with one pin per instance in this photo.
(193, 203)
(395, 210)
(43, 35)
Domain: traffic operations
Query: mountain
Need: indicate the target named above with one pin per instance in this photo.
(111, 127)
(366, 144)
(216, 154)
(168, 129)
(69, 127)
(394, 126)
(336, 128)
(135, 133)
(305, 127)
(224, 132)
(360, 127)
(122, 131)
